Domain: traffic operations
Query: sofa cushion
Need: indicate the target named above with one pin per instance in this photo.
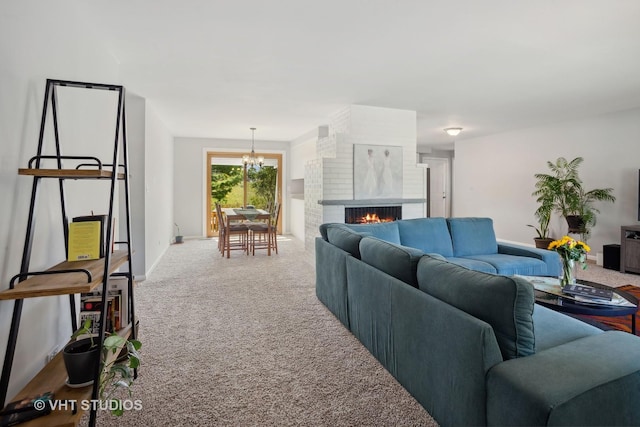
(551, 259)
(591, 381)
(323, 231)
(472, 236)
(430, 235)
(473, 264)
(344, 238)
(506, 303)
(387, 231)
(508, 265)
(398, 261)
(553, 329)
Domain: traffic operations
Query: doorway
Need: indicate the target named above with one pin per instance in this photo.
(233, 184)
(437, 187)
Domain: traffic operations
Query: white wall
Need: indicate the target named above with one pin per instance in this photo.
(494, 174)
(151, 174)
(190, 173)
(40, 40)
(136, 112)
(158, 214)
(362, 124)
(303, 150)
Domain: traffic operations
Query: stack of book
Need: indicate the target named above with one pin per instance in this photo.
(117, 312)
(589, 292)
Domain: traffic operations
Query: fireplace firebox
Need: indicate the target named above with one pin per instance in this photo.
(371, 214)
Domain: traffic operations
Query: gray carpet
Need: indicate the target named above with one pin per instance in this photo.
(608, 277)
(244, 341)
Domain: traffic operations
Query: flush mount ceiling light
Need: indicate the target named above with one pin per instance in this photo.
(251, 159)
(453, 131)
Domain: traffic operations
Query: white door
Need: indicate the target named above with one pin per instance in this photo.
(438, 182)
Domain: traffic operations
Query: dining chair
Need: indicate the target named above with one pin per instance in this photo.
(221, 229)
(275, 216)
(263, 232)
(236, 235)
(269, 206)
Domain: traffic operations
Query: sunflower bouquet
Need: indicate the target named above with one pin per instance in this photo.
(570, 251)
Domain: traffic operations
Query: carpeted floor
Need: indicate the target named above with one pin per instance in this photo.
(612, 278)
(245, 342)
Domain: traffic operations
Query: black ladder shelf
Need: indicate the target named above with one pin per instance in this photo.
(70, 278)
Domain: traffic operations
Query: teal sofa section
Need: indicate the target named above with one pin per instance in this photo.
(470, 242)
(472, 347)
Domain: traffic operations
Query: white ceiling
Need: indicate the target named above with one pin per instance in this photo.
(215, 68)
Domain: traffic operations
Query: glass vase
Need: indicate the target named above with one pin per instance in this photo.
(568, 272)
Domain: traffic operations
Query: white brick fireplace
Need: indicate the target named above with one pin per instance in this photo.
(328, 180)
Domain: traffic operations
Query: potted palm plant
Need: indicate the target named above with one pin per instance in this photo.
(543, 214)
(564, 186)
(581, 216)
(545, 194)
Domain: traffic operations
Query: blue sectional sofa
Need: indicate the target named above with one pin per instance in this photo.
(470, 242)
(471, 346)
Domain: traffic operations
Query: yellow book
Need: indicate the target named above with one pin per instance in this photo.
(84, 240)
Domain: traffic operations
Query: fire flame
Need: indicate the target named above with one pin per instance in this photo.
(371, 218)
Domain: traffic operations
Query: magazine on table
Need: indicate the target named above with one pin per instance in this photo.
(551, 285)
(586, 291)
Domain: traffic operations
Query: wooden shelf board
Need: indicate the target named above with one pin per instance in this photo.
(70, 173)
(53, 378)
(65, 283)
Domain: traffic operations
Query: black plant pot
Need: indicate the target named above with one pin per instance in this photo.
(81, 361)
(575, 223)
(542, 243)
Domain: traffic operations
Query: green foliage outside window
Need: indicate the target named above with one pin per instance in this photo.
(224, 179)
(263, 183)
(227, 185)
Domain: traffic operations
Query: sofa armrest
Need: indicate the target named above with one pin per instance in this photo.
(590, 381)
(331, 278)
(550, 258)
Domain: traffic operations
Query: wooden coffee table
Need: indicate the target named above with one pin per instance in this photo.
(567, 305)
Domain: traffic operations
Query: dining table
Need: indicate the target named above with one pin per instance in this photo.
(242, 214)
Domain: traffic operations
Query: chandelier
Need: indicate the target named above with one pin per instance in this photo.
(251, 159)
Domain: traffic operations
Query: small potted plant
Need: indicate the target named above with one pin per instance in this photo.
(82, 356)
(546, 199)
(179, 237)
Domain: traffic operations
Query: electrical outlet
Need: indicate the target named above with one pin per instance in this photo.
(52, 354)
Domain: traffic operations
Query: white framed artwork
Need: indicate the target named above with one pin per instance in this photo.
(377, 171)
